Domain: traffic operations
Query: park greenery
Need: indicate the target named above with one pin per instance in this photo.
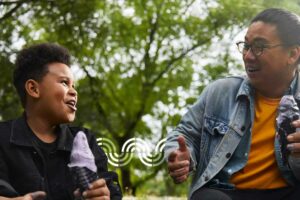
(139, 63)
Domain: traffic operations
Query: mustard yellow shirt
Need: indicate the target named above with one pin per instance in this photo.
(261, 171)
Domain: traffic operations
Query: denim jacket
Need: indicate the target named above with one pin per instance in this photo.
(217, 129)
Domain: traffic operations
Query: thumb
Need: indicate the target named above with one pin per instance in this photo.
(182, 145)
(77, 194)
(172, 156)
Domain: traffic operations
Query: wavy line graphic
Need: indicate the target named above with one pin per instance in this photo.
(133, 146)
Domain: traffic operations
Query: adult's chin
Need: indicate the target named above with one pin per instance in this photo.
(255, 82)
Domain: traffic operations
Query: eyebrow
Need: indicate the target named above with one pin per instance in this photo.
(64, 77)
(69, 79)
(258, 39)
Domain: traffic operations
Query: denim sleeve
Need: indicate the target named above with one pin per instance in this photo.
(190, 127)
(294, 163)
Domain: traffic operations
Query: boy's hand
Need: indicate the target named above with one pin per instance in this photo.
(97, 191)
(38, 195)
(179, 162)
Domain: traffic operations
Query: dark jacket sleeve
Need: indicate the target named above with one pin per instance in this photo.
(6, 189)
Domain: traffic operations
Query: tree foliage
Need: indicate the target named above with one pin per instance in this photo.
(134, 60)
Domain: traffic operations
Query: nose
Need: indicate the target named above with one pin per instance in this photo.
(249, 55)
(72, 91)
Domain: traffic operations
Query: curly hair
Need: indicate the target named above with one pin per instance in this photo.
(32, 63)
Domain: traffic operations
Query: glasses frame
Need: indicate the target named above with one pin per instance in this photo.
(255, 49)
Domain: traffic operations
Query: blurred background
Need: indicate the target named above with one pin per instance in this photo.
(138, 65)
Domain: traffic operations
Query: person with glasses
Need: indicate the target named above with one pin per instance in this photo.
(227, 139)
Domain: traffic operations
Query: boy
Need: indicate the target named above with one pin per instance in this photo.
(35, 148)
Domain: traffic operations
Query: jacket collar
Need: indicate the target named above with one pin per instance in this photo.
(21, 135)
(247, 90)
(295, 87)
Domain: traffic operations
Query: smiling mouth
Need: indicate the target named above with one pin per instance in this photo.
(251, 70)
(72, 104)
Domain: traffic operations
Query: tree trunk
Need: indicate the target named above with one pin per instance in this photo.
(126, 182)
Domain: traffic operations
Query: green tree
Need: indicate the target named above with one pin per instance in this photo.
(136, 60)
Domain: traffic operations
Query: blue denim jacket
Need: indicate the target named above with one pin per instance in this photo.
(217, 129)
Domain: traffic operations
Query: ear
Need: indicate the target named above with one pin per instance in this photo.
(32, 89)
(294, 55)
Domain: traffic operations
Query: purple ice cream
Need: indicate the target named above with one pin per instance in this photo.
(82, 162)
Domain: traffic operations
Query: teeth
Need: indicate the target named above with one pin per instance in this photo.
(71, 103)
(252, 70)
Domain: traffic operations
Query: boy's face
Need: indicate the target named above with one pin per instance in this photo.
(57, 96)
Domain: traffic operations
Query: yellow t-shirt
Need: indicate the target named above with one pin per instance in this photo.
(261, 171)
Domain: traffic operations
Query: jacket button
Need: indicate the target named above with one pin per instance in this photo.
(243, 128)
(228, 155)
(206, 178)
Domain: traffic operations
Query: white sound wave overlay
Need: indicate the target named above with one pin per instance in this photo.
(137, 146)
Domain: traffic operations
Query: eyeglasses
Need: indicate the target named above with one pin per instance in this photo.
(256, 49)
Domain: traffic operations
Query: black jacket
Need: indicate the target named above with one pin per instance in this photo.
(23, 167)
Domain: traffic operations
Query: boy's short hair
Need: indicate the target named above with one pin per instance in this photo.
(32, 63)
